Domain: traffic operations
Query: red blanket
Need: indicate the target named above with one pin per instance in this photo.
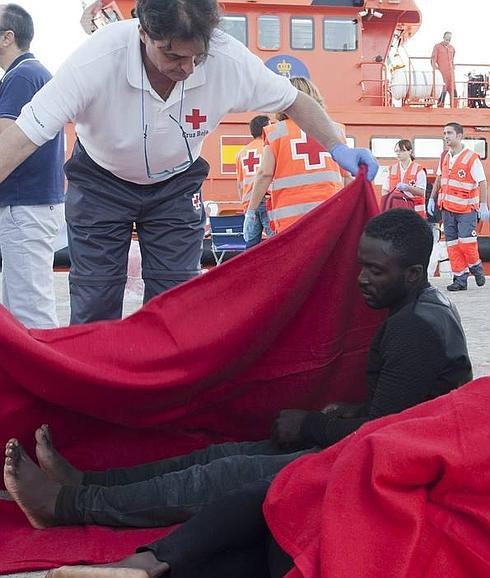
(406, 496)
(281, 326)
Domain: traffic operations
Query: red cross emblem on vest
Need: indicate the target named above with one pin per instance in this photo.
(309, 150)
(196, 119)
(196, 201)
(461, 173)
(251, 161)
(412, 183)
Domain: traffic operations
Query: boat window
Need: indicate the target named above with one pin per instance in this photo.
(340, 35)
(428, 148)
(384, 146)
(477, 145)
(269, 33)
(302, 33)
(350, 141)
(235, 26)
(431, 148)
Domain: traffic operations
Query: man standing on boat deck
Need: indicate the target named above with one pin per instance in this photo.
(461, 175)
(31, 198)
(144, 95)
(443, 59)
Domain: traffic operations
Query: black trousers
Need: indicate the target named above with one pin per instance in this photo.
(100, 210)
(226, 539)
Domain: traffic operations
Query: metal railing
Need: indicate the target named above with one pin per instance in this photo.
(471, 84)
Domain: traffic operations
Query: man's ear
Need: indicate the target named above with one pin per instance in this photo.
(142, 34)
(8, 38)
(414, 273)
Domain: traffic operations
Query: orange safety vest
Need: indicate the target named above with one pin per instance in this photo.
(459, 192)
(410, 178)
(305, 174)
(247, 165)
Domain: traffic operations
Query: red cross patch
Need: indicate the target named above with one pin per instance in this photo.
(461, 173)
(196, 201)
(251, 162)
(412, 183)
(196, 118)
(308, 150)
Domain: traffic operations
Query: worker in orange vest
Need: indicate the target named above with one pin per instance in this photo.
(461, 173)
(406, 179)
(299, 172)
(443, 59)
(247, 164)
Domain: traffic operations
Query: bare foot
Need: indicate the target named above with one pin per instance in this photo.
(57, 468)
(142, 565)
(29, 486)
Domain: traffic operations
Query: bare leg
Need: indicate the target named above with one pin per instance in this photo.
(29, 486)
(143, 565)
(57, 468)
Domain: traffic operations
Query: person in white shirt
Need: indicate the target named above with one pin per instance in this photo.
(406, 178)
(143, 95)
(463, 194)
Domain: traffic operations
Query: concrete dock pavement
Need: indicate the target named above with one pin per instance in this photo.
(473, 306)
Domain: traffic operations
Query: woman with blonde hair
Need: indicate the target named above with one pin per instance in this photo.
(299, 173)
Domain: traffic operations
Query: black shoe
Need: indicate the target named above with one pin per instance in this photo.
(456, 287)
(480, 279)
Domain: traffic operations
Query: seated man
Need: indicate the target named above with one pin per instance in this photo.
(418, 354)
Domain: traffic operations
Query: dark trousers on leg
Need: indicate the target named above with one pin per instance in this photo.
(168, 491)
(100, 212)
(227, 539)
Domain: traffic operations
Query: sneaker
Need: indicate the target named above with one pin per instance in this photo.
(480, 279)
(456, 287)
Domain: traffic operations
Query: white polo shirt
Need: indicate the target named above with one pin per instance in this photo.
(101, 86)
(420, 182)
(477, 171)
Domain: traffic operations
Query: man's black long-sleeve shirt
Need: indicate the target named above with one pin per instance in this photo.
(417, 354)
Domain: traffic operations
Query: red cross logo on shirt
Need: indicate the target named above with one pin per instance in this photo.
(309, 151)
(251, 161)
(196, 201)
(196, 119)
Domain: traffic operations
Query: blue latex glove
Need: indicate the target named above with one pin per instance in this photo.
(484, 214)
(249, 225)
(350, 159)
(431, 206)
(402, 187)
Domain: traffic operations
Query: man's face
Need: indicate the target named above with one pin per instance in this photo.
(451, 137)
(447, 38)
(3, 33)
(382, 280)
(174, 59)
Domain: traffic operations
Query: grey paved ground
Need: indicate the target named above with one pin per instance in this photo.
(473, 305)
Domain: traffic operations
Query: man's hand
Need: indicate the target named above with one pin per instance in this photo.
(350, 159)
(249, 225)
(402, 187)
(286, 431)
(431, 206)
(484, 214)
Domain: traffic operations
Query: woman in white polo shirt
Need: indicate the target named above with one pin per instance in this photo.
(144, 95)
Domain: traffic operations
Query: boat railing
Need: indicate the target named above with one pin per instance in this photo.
(472, 85)
(377, 89)
(424, 84)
